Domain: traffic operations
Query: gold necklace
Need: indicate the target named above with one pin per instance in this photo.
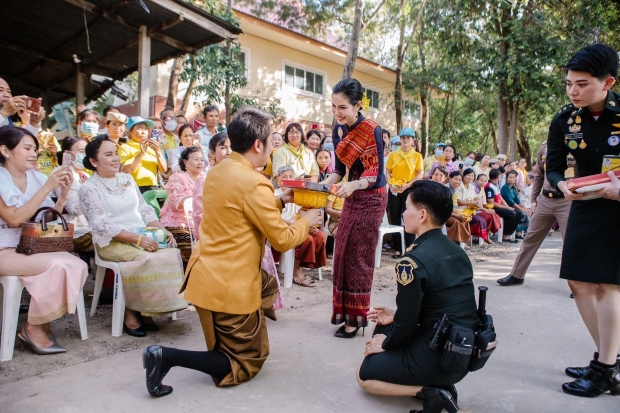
(118, 185)
(22, 187)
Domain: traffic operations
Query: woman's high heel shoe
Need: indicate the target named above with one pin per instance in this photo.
(435, 400)
(342, 333)
(24, 337)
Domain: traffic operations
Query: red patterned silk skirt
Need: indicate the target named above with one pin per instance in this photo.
(354, 258)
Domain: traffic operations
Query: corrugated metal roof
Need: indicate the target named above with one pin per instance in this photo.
(38, 40)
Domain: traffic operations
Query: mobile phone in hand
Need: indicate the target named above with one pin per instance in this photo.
(155, 135)
(67, 159)
(33, 105)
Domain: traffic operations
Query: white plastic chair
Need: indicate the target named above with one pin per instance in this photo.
(118, 303)
(12, 287)
(188, 209)
(385, 229)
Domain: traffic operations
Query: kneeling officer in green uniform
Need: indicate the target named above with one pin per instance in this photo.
(435, 277)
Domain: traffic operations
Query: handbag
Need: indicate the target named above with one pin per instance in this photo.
(40, 237)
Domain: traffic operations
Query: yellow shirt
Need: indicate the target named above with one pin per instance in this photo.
(269, 168)
(338, 203)
(223, 273)
(302, 161)
(146, 173)
(404, 165)
(428, 162)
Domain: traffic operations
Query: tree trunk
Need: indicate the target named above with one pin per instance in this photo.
(227, 105)
(512, 135)
(173, 84)
(493, 136)
(524, 148)
(398, 86)
(502, 121)
(349, 64)
(453, 110)
(444, 119)
(188, 94)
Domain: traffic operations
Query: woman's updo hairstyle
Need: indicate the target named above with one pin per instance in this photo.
(92, 149)
(217, 140)
(185, 156)
(351, 88)
(11, 136)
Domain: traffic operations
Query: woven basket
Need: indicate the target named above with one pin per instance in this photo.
(310, 199)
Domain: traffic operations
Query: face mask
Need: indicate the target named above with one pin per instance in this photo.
(395, 147)
(89, 128)
(469, 161)
(171, 125)
(329, 146)
(438, 152)
(79, 160)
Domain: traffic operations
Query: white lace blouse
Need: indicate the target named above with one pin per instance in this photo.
(12, 196)
(73, 207)
(112, 205)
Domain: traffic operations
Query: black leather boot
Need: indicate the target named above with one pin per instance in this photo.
(577, 372)
(152, 360)
(597, 381)
(435, 400)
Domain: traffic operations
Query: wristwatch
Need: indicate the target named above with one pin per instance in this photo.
(359, 184)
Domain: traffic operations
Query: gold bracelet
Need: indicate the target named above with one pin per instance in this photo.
(139, 240)
(62, 203)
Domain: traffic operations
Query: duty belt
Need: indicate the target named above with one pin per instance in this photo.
(552, 194)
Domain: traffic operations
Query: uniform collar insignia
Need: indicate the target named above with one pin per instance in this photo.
(404, 271)
(411, 247)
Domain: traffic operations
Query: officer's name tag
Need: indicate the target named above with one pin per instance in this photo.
(574, 136)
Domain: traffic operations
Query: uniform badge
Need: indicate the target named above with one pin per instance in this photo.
(404, 271)
(616, 132)
(340, 132)
(612, 103)
(578, 119)
(572, 144)
(616, 125)
(575, 128)
(411, 247)
(570, 121)
(573, 112)
(613, 140)
(583, 145)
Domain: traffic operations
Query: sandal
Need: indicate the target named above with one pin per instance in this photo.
(304, 282)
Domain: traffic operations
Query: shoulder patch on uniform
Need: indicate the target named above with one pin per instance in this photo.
(404, 271)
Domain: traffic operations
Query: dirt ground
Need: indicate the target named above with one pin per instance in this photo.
(101, 344)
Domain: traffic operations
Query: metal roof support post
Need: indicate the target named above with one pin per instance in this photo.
(79, 87)
(144, 72)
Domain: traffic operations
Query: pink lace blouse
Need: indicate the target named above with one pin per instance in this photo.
(179, 187)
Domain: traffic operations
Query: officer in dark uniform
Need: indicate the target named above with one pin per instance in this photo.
(434, 277)
(589, 129)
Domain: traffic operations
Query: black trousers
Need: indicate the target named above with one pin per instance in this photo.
(511, 219)
(396, 205)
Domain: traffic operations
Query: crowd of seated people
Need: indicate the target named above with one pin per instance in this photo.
(115, 159)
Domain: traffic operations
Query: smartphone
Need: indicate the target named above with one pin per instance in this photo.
(155, 134)
(67, 159)
(33, 105)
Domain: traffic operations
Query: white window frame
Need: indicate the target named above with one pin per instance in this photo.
(248, 55)
(370, 108)
(413, 103)
(298, 91)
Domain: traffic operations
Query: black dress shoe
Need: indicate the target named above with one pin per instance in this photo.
(342, 333)
(519, 237)
(23, 308)
(596, 381)
(136, 332)
(435, 400)
(148, 325)
(510, 280)
(578, 372)
(509, 240)
(151, 361)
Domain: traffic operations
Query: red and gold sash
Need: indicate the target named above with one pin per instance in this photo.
(360, 144)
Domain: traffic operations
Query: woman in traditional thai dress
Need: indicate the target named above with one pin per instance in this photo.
(115, 209)
(54, 280)
(359, 147)
(180, 186)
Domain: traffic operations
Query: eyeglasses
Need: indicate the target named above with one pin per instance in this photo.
(294, 132)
